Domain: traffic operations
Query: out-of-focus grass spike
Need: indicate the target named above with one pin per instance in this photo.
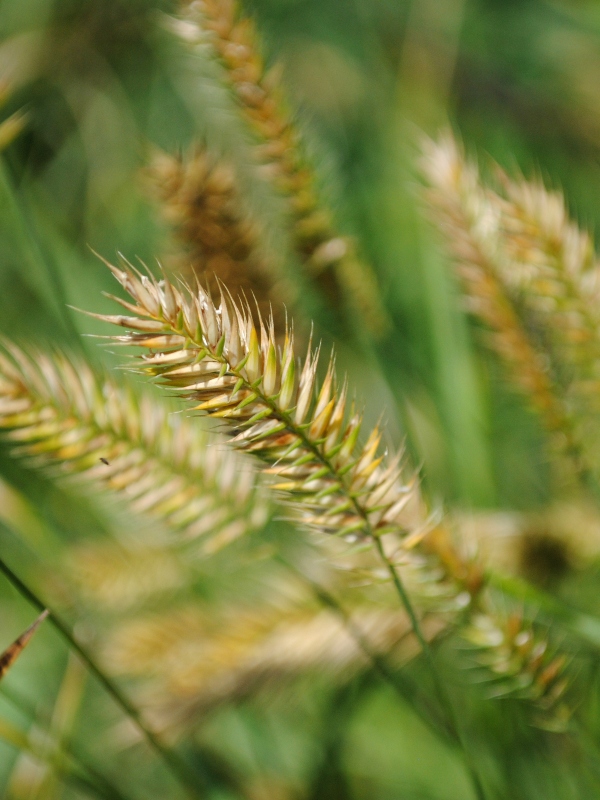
(10, 655)
(198, 661)
(329, 257)
(516, 659)
(57, 413)
(199, 197)
(553, 267)
(228, 367)
(470, 218)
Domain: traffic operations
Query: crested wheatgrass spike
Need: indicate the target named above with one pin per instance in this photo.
(307, 435)
(552, 265)
(58, 414)
(472, 227)
(516, 660)
(230, 368)
(329, 257)
(199, 197)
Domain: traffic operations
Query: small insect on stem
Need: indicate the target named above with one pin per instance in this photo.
(104, 461)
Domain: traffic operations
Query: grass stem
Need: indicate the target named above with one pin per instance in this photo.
(176, 766)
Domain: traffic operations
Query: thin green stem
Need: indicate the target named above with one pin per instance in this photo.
(443, 696)
(378, 661)
(297, 430)
(177, 767)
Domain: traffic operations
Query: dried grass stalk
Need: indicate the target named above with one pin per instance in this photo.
(58, 414)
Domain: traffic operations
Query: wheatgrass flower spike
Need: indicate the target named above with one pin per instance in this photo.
(57, 413)
(516, 659)
(553, 267)
(307, 435)
(194, 661)
(330, 258)
(229, 367)
(471, 223)
(199, 197)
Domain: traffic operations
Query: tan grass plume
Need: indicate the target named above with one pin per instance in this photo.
(58, 414)
(307, 439)
(330, 258)
(472, 219)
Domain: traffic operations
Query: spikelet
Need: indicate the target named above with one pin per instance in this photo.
(329, 257)
(57, 413)
(215, 357)
(518, 661)
(553, 267)
(199, 198)
(471, 225)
